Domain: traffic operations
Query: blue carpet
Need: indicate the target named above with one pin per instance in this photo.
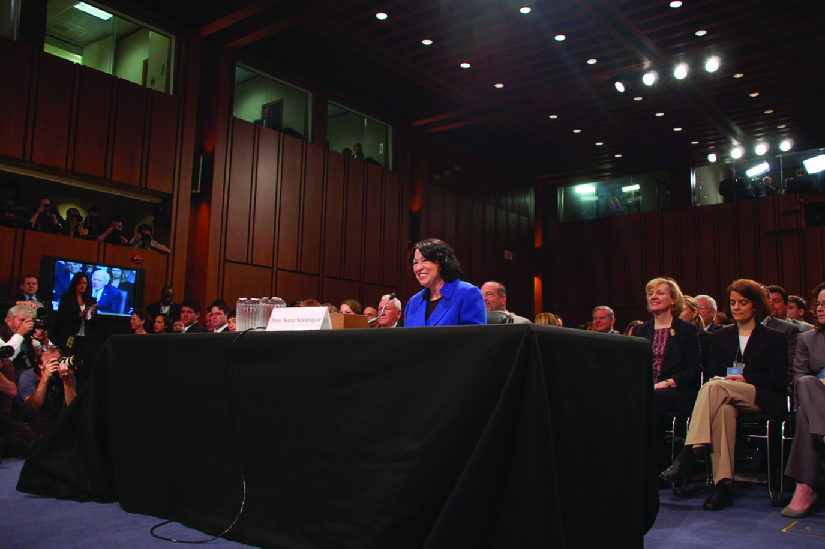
(34, 522)
(752, 523)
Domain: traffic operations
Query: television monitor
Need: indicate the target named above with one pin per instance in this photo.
(120, 287)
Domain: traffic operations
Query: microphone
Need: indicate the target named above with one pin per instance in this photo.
(381, 312)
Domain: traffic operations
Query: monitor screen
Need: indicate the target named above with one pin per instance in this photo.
(117, 289)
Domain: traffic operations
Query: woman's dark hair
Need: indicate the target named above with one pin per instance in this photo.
(87, 295)
(354, 305)
(814, 300)
(752, 291)
(438, 251)
(167, 323)
(145, 317)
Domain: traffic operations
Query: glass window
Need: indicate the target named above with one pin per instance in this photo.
(90, 34)
(626, 195)
(354, 134)
(8, 16)
(263, 100)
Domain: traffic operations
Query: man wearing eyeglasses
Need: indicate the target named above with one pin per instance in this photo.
(50, 387)
(19, 333)
(708, 312)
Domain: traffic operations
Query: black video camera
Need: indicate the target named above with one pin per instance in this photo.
(41, 319)
(69, 362)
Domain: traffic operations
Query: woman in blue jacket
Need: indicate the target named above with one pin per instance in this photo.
(445, 299)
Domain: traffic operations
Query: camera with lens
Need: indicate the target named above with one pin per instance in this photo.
(117, 233)
(6, 351)
(41, 319)
(77, 218)
(146, 238)
(67, 363)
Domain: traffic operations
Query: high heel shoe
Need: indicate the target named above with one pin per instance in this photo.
(793, 513)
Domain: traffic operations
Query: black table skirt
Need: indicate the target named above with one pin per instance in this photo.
(489, 436)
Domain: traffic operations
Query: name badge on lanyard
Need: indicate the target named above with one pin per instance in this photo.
(736, 369)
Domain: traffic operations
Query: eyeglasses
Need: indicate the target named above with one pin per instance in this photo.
(820, 304)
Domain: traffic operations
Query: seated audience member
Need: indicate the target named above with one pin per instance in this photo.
(332, 308)
(28, 296)
(630, 325)
(587, 326)
(13, 212)
(93, 224)
(796, 308)
(495, 299)
(548, 319)
(708, 312)
(350, 307)
(297, 303)
(676, 356)
(789, 329)
(140, 322)
(114, 233)
(45, 217)
(445, 299)
(118, 280)
(63, 278)
(231, 320)
(691, 312)
(767, 187)
(50, 387)
(190, 310)
(18, 332)
(145, 240)
(802, 183)
(372, 315)
(748, 373)
(162, 324)
(808, 450)
(177, 326)
(358, 151)
(559, 322)
(389, 312)
(218, 313)
(109, 299)
(73, 226)
(16, 438)
(166, 305)
(779, 308)
(311, 303)
(603, 320)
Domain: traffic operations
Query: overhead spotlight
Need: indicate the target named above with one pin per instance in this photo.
(553, 116)
(592, 61)
(694, 142)
(754, 94)
(761, 149)
(700, 32)
(681, 71)
(677, 129)
(599, 143)
(769, 111)
(786, 145)
(638, 98)
(381, 15)
(815, 164)
(465, 65)
(525, 10)
(676, 4)
(499, 85)
(620, 87)
(91, 10)
(712, 157)
(660, 114)
(427, 42)
(577, 131)
(585, 189)
(631, 188)
(737, 152)
(560, 38)
(759, 169)
(738, 75)
(650, 78)
(617, 155)
(712, 64)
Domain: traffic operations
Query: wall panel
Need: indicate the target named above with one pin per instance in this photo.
(93, 119)
(671, 242)
(152, 262)
(55, 92)
(334, 216)
(265, 203)
(689, 257)
(354, 225)
(245, 281)
(15, 66)
(8, 248)
(163, 138)
(130, 125)
(748, 259)
(372, 234)
(392, 245)
(313, 210)
(435, 213)
(651, 246)
(708, 244)
(292, 164)
(618, 262)
(336, 290)
(239, 191)
(451, 221)
(813, 263)
(291, 286)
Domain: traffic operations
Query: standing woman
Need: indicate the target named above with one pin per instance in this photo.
(808, 447)
(445, 300)
(76, 310)
(749, 366)
(676, 356)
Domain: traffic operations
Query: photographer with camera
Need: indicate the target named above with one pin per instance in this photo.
(50, 387)
(45, 217)
(73, 226)
(25, 332)
(145, 240)
(114, 234)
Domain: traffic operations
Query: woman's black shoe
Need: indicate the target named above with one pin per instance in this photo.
(720, 498)
(684, 466)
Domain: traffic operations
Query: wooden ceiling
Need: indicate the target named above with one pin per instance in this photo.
(777, 47)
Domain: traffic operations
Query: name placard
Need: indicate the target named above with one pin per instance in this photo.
(286, 319)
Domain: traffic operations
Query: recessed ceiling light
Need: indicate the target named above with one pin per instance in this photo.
(560, 38)
(677, 129)
(620, 87)
(592, 61)
(499, 85)
(754, 94)
(381, 15)
(712, 157)
(676, 4)
(701, 32)
(786, 145)
(712, 64)
(738, 75)
(737, 152)
(638, 98)
(553, 116)
(599, 143)
(91, 10)
(617, 155)
(465, 65)
(660, 114)
(650, 78)
(761, 149)
(525, 9)
(769, 111)
(427, 42)
(577, 131)
(694, 142)
(681, 71)
(781, 126)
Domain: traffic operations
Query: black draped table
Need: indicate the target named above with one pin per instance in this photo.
(486, 436)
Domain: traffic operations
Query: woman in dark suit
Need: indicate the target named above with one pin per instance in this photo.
(676, 362)
(808, 448)
(76, 306)
(748, 365)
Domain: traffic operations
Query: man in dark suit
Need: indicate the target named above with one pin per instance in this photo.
(708, 312)
(166, 305)
(190, 311)
(779, 308)
(801, 183)
(108, 297)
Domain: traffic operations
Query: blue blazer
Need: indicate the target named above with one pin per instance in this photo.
(461, 303)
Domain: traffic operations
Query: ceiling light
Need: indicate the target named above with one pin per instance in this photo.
(694, 142)
(553, 116)
(631, 188)
(712, 64)
(381, 15)
(599, 144)
(676, 4)
(754, 94)
(660, 114)
(786, 145)
(681, 71)
(759, 169)
(737, 152)
(617, 155)
(585, 189)
(815, 164)
(738, 75)
(650, 78)
(577, 131)
(701, 32)
(427, 42)
(638, 98)
(592, 61)
(525, 10)
(769, 111)
(781, 126)
(499, 85)
(91, 10)
(465, 65)
(677, 129)
(761, 149)
(712, 157)
(560, 38)
(620, 87)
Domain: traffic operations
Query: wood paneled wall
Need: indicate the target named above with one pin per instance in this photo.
(59, 114)
(608, 261)
(300, 221)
